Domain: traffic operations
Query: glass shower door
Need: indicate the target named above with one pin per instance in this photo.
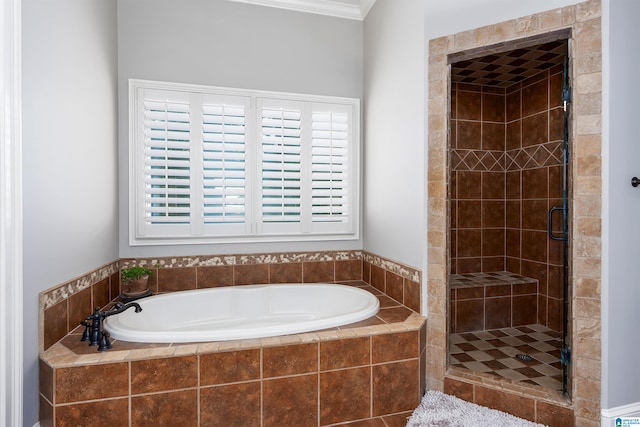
(563, 236)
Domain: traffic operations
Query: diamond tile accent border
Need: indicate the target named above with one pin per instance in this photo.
(536, 156)
(478, 160)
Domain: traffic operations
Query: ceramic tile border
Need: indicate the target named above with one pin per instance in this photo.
(249, 259)
(58, 293)
(401, 270)
(584, 22)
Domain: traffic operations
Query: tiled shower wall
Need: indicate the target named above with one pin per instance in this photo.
(477, 179)
(506, 173)
(535, 128)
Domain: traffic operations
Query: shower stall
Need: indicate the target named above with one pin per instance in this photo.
(508, 199)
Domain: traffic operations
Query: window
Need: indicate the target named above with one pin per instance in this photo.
(212, 164)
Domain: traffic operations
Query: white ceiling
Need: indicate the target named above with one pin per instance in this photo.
(349, 9)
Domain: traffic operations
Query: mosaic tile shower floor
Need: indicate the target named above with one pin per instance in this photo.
(495, 352)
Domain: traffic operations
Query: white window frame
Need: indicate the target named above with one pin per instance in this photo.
(254, 229)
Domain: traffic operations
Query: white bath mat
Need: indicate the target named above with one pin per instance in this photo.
(442, 410)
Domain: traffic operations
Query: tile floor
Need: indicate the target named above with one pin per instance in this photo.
(495, 352)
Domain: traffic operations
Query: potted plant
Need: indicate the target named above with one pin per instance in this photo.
(135, 280)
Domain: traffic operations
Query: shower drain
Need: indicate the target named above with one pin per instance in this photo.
(524, 357)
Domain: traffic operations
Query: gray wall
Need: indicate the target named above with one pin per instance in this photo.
(69, 78)
(395, 149)
(222, 43)
(621, 290)
(69, 152)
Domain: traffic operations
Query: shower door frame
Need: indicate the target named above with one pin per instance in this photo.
(584, 20)
(565, 35)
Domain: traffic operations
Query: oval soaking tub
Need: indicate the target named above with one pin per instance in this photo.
(242, 312)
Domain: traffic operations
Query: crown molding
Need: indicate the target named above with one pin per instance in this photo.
(365, 7)
(351, 9)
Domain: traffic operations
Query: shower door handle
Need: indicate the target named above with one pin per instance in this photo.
(635, 181)
(550, 224)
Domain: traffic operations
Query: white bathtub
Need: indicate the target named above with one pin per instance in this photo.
(242, 312)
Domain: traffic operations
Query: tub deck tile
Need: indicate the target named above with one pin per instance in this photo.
(393, 318)
(382, 405)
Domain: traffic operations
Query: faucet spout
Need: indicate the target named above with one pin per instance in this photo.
(120, 307)
(93, 324)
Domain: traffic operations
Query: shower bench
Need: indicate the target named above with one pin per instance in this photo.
(484, 301)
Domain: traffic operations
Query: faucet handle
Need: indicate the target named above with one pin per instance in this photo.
(105, 343)
(85, 334)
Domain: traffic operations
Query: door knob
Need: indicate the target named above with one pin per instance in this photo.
(635, 181)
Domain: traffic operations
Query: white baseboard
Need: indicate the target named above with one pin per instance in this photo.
(625, 411)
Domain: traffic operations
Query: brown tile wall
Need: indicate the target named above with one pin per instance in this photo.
(172, 279)
(534, 185)
(64, 316)
(307, 384)
(486, 307)
(406, 290)
(506, 173)
(477, 187)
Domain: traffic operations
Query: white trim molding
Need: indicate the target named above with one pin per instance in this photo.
(348, 9)
(609, 416)
(11, 398)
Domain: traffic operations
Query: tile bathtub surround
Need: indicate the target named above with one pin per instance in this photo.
(584, 22)
(367, 373)
(64, 306)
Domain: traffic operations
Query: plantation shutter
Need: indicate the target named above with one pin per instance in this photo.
(280, 141)
(224, 162)
(167, 161)
(330, 166)
(214, 164)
